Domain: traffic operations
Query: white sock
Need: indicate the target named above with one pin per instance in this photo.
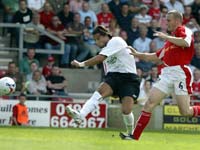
(91, 104)
(129, 122)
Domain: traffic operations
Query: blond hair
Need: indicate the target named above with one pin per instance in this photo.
(176, 14)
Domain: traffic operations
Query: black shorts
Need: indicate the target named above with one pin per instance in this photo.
(123, 84)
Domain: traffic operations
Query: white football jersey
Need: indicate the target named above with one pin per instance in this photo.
(118, 57)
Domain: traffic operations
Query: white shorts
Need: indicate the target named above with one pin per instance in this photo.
(175, 79)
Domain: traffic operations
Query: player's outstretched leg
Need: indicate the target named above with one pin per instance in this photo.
(88, 107)
(74, 114)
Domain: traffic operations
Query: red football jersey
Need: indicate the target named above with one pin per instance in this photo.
(196, 86)
(104, 19)
(172, 54)
(154, 13)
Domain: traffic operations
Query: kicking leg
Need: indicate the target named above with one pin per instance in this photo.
(103, 91)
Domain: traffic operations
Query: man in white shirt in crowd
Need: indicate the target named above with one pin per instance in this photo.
(142, 43)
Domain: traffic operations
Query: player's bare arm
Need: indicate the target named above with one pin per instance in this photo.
(144, 56)
(90, 62)
(175, 40)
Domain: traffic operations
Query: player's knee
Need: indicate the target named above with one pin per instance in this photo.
(185, 112)
(149, 105)
(126, 111)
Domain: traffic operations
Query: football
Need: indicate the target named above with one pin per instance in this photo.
(7, 86)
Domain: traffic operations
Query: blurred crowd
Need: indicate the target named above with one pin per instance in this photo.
(73, 21)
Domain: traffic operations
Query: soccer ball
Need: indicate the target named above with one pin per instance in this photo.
(7, 86)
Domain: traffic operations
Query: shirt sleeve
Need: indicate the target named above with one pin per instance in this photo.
(180, 32)
(185, 33)
(158, 52)
(115, 45)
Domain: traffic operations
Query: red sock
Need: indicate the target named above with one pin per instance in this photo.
(141, 124)
(196, 111)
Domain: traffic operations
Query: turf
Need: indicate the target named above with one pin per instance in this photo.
(92, 139)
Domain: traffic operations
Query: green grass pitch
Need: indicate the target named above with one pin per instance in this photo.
(13, 138)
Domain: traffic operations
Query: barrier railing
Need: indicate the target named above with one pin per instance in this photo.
(21, 47)
(42, 96)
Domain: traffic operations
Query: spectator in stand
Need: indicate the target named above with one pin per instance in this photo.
(114, 27)
(154, 10)
(141, 76)
(24, 14)
(159, 43)
(89, 42)
(24, 64)
(143, 17)
(197, 38)
(195, 10)
(175, 5)
(193, 25)
(33, 67)
(35, 5)
(56, 83)
(95, 5)
(20, 112)
(187, 16)
(133, 32)
(13, 73)
(124, 19)
(115, 6)
(46, 15)
(163, 19)
(57, 5)
(153, 76)
(154, 26)
(36, 21)
(147, 2)
(32, 36)
(57, 29)
(75, 5)
(144, 47)
(134, 6)
(37, 85)
(187, 2)
(196, 58)
(10, 7)
(86, 11)
(105, 16)
(196, 87)
(76, 28)
(46, 70)
(153, 46)
(144, 92)
(123, 34)
(65, 15)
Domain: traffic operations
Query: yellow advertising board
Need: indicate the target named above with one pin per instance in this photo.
(172, 120)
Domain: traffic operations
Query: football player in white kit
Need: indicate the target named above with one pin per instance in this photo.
(121, 78)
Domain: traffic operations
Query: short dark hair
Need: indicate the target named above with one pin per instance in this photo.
(22, 94)
(102, 31)
(11, 62)
(22, 1)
